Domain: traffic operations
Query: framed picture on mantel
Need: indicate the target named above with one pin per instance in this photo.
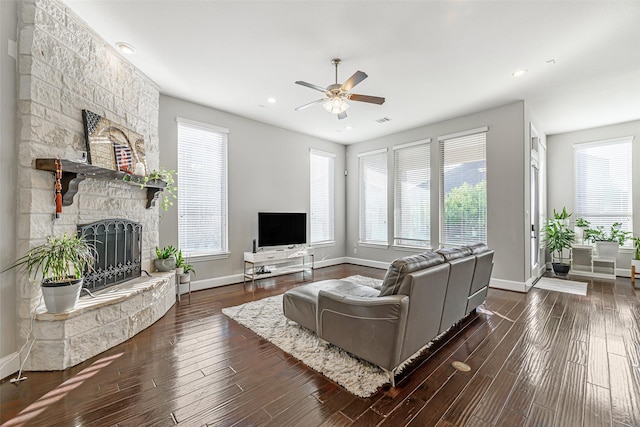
(112, 146)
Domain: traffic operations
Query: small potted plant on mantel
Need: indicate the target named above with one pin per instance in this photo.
(558, 239)
(62, 262)
(607, 243)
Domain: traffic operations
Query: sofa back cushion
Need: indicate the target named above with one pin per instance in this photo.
(454, 253)
(478, 248)
(406, 265)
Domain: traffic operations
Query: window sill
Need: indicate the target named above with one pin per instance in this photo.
(373, 245)
(208, 257)
(412, 248)
(322, 244)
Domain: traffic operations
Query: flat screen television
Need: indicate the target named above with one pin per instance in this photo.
(282, 228)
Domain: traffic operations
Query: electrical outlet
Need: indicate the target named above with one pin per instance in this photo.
(355, 250)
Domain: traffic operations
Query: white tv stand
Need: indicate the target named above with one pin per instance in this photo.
(276, 263)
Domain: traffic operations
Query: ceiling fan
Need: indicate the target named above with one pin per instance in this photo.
(337, 93)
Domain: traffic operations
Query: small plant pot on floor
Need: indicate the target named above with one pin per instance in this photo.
(560, 269)
(60, 297)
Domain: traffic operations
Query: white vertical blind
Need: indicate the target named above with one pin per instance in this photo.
(373, 197)
(412, 192)
(202, 188)
(463, 174)
(322, 196)
(603, 183)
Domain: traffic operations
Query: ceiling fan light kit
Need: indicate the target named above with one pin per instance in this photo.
(336, 105)
(337, 93)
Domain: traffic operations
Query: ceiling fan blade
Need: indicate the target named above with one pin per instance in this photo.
(366, 98)
(312, 86)
(357, 77)
(342, 115)
(317, 101)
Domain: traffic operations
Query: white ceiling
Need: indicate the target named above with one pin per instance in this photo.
(431, 60)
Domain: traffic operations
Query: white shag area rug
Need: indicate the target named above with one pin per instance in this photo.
(562, 285)
(265, 318)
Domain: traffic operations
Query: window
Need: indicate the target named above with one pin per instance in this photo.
(373, 197)
(603, 183)
(412, 192)
(463, 176)
(202, 188)
(322, 197)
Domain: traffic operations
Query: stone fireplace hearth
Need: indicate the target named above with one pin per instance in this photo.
(97, 324)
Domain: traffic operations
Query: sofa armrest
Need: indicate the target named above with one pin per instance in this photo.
(370, 328)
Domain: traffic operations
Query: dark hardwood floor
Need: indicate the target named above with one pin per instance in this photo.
(540, 359)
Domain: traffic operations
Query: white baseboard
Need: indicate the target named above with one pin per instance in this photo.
(9, 365)
(367, 262)
(214, 282)
(509, 285)
(329, 262)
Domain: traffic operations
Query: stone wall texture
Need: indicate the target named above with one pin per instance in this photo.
(63, 68)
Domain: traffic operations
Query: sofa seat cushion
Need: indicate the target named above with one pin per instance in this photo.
(300, 304)
(406, 265)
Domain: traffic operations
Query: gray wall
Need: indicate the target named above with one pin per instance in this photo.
(268, 171)
(506, 222)
(561, 176)
(8, 20)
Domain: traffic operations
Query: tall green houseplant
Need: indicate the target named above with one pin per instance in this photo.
(558, 238)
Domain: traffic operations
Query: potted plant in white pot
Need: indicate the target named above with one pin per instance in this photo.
(558, 238)
(186, 276)
(179, 263)
(607, 243)
(635, 262)
(165, 258)
(581, 225)
(62, 262)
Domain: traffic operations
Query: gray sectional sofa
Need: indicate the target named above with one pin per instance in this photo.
(421, 297)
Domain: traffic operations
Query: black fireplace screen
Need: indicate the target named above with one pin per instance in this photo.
(118, 243)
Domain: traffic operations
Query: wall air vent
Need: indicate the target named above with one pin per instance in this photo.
(383, 120)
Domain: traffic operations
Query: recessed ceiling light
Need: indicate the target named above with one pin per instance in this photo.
(349, 127)
(271, 100)
(126, 48)
(520, 72)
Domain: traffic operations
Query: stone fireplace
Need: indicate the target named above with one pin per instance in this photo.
(64, 68)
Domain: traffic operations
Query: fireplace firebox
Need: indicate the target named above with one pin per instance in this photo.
(118, 243)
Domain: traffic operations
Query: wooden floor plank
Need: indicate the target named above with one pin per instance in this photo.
(571, 401)
(531, 355)
(597, 410)
(625, 395)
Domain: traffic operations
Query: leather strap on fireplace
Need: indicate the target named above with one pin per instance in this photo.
(58, 188)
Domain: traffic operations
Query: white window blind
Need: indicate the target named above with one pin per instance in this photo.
(412, 191)
(322, 196)
(373, 197)
(463, 193)
(603, 183)
(202, 188)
